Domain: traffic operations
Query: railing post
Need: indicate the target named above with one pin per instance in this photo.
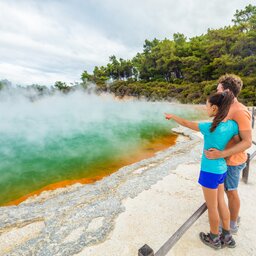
(145, 250)
(246, 169)
(180, 232)
(245, 173)
(253, 117)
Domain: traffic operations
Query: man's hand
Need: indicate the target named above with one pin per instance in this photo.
(213, 153)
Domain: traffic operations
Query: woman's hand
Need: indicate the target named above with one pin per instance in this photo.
(168, 116)
(192, 125)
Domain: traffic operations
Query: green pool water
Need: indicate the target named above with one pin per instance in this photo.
(71, 137)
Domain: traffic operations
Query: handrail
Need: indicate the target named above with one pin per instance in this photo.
(147, 251)
(178, 234)
(253, 116)
(245, 173)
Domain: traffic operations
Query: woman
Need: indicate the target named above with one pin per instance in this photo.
(216, 135)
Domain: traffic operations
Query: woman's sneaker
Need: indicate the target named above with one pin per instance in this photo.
(214, 243)
(228, 241)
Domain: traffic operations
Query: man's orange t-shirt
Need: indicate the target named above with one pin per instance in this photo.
(239, 113)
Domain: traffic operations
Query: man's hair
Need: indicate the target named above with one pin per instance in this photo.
(232, 82)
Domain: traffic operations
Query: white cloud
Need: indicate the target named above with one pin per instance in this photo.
(37, 45)
(45, 41)
(18, 73)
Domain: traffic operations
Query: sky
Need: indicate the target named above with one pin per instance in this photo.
(56, 40)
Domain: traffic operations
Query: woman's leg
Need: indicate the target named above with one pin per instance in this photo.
(211, 199)
(226, 237)
(223, 208)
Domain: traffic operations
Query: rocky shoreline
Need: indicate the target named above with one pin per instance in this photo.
(65, 221)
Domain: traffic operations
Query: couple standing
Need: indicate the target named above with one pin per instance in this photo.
(225, 140)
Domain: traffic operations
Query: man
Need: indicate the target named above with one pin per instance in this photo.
(235, 151)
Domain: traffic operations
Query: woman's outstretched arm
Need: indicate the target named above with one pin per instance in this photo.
(192, 125)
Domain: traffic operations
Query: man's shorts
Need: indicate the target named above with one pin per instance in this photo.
(211, 180)
(233, 176)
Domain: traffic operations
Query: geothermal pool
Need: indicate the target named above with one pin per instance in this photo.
(59, 139)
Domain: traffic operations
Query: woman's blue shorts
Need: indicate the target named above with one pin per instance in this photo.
(211, 180)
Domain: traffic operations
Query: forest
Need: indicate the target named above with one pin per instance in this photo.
(185, 69)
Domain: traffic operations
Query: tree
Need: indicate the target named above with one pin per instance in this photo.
(225, 64)
(126, 69)
(181, 66)
(246, 19)
(86, 77)
(244, 46)
(149, 45)
(113, 68)
(249, 66)
(100, 75)
(181, 45)
(140, 67)
(62, 86)
(191, 68)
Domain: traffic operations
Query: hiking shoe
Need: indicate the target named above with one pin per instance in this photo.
(234, 226)
(220, 229)
(234, 230)
(228, 241)
(214, 243)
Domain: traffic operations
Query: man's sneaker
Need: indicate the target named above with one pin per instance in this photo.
(234, 230)
(214, 243)
(220, 229)
(234, 226)
(228, 241)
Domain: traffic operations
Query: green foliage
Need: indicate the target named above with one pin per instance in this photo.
(183, 68)
(41, 89)
(62, 86)
(195, 93)
(86, 77)
(5, 84)
(246, 19)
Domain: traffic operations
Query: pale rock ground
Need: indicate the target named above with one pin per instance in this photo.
(151, 217)
(155, 214)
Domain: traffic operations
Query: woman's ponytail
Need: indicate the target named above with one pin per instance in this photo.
(223, 101)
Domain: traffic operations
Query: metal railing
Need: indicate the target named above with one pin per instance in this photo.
(146, 250)
(253, 116)
(245, 173)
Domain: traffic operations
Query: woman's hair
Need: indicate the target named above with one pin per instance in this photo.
(223, 101)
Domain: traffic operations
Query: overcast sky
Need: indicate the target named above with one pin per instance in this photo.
(48, 40)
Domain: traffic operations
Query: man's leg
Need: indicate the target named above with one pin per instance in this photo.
(231, 185)
(233, 204)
